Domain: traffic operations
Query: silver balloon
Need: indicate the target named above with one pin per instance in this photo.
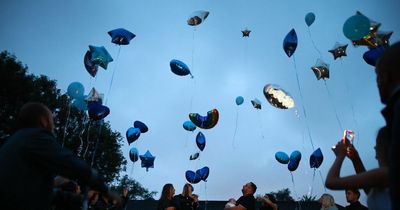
(278, 97)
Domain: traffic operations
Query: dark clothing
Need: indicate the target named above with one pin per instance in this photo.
(29, 160)
(392, 117)
(186, 202)
(163, 204)
(247, 201)
(356, 206)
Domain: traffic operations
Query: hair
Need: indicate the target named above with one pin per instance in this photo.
(327, 200)
(186, 188)
(253, 186)
(390, 60)
(30, 114)
(166, 192)
(355, 191)
(271, 197)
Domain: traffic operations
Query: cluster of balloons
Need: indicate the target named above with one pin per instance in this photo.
(199, 175)
(293, 161)
(132, 134)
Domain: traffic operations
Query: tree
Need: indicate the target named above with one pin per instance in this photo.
(283, 195)
(135, 190)
(86, 138)
(308, 198)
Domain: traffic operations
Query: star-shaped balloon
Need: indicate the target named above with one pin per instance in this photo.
(339, 50)
(246, 33)
(121, 36)
(100, 56)
(94, 96)
(321, 70)
(147, 160)
(382, 38)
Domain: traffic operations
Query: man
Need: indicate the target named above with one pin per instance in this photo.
(31, 158)
(388, 80)
(247, 201)
(352, 196)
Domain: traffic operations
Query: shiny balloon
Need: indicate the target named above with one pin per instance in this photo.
(309, 18)
(316, 158)
(282, 157)
(196, 18)
(179, 68)
(256, 103)
(194, 156)
(132, 134)
(293, 165)
(338, 50)
(75, 90)
(290, 43)
(189, 126)
(94, 96)
(295, 156)
(321, 70)
(141, 126)
(201, 141)
(133, 154)
(205, 122)
(277, 97)
(192, 177)
(97, 111)
(100, 56)
(80, 103)
(356, 27)
(121, 36)
(203, 173)
(372, 55)
(90, 67)
(239, 100)
(147, 160)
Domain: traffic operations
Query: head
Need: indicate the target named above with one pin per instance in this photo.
(352, 195)
(271, 198)
(382, 147)
(187, 190)
(327, 200)
(168, 192)
(249, 188)
(35, 115)
(387, 71)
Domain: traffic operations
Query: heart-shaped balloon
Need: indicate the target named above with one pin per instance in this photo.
(372, 55)
(97, 111)
(132, 134)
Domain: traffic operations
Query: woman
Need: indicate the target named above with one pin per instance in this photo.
(327, 202)
(187, 200)
(375, 182)
(268, 202)
(166, 200)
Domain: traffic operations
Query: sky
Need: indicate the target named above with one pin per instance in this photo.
(51, 38)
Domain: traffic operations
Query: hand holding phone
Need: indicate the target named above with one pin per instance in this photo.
(347, 139)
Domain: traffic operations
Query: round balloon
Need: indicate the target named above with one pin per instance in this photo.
(75, 90)
(80, 103)
(189, 126)
(282, 157)
(310, 18)
(201, 141)
(133, 154)
(316, 158)
(293, 165)
(239, 100)
(295, 156)
(179, 68)
(356, 27)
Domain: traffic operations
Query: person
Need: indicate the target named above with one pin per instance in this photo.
(167, 201)
(388, 81)
(352, 196)
(327, 202)
(186, 200)
(247, 201)
(374, 182)
(31, 158)
(268, 202)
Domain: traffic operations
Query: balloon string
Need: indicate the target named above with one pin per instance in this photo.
(236, 126)
(312, 184)
(302, 103)
(87, 140)
(112, 76)
(193, 46)
(294, 185)
(66, 125)
(334, 107)
(322, 179)
(133, 166)
(97, 144)
(261, 125)
(315, 46)
(206, 198)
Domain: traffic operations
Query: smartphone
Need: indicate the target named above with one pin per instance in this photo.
(348, 137)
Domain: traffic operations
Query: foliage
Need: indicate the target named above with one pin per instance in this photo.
(308, 198)
(283, 195)
(135, 190)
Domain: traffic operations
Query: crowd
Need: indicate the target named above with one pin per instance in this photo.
(31, 157)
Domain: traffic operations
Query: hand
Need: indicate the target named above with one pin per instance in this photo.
(340, 149)
(352, 153)
(125, 192)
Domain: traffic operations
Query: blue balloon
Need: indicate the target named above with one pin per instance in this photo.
(142, 127)
(282, 157)
(80, 103)
(192, 177)
(201, 141)
(132, 134)
(100, 56)
(179, 68)
(90, 67)
(290, 43)
(133, 154)
(316, 158)
(356, 27)
(189, 126)
(310, 18)
(295, 156)
(147, 160)
(75, 90)
(121, 36)
(293, 165)
(97, 111)
(203, 173)
(372, 55)
(239, 100)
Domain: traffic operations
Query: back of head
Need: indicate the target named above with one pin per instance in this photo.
(166, 192)
(327, 200)
(253, 186)
(187, 189)
(390, 61)
(30, 115)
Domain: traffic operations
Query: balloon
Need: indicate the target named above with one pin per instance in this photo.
(132, 134)
(179, 68)
(290, 43)
(295, 156)
(278, 97)
(372, 55)
(293, 165)
(121, 36)
(338, 50)
(246, 33)
(256, 103)
(90, 67)
(316, 159)
(142, 127)
(194, 156)
(356, 27)
(192, 177)
(201, 141)
(94, 96)
(197, 17)
(239, 100)
(205, 122)
(97, 111)
(203, 173)
(133, 154)
(80, 103)
(189, 126)
(100, 56)
(147, 160)
(382, 38)
(310, 18)
(321, 69)
(75, 90)
(282, 157)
